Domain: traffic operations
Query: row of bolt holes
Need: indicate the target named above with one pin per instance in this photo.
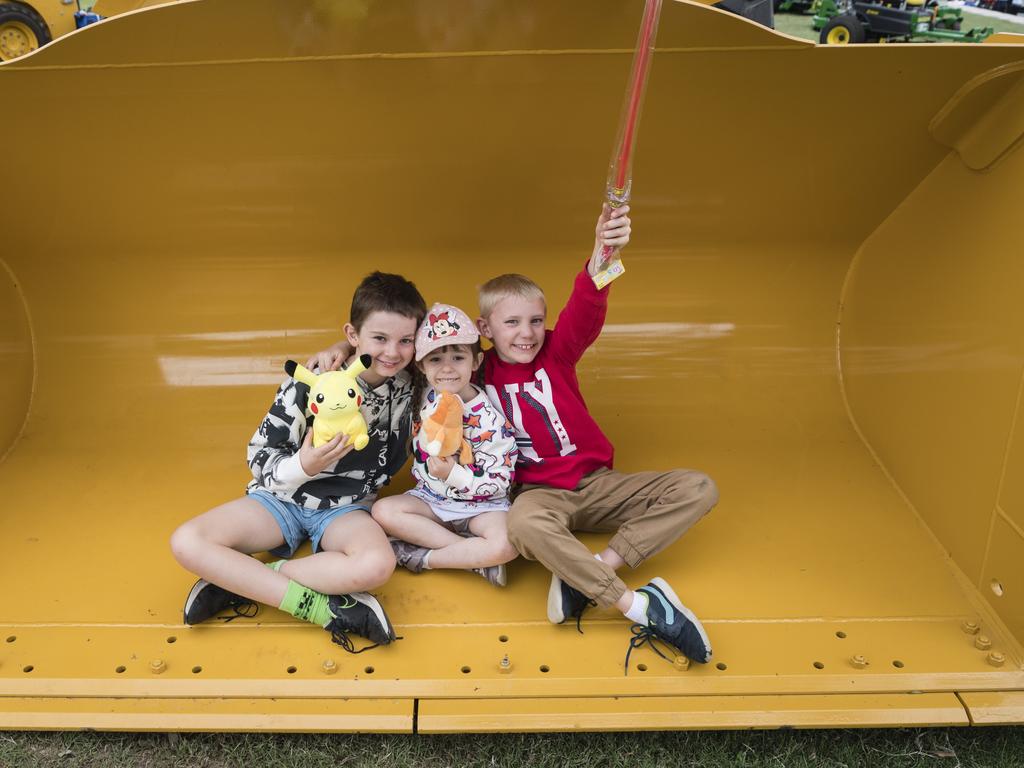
(842, 636)
(465, 670)
(292, 670)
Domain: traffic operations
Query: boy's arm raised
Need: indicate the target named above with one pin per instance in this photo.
(613, 230)
(580, 322)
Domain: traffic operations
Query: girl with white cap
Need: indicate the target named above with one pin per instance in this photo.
(455, 517)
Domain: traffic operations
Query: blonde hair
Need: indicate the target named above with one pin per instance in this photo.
(505, 286)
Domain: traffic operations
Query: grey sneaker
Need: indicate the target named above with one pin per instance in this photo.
(409, 556)
(495, 574)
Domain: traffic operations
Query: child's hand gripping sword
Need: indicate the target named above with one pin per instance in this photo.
(620, 176)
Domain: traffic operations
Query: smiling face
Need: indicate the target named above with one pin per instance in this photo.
(516, 328)
(450, 369)
(333, 395)
(389, 339)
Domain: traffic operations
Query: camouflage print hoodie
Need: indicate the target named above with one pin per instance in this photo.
(274, 450)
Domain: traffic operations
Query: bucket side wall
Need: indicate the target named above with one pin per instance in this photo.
(932, 348)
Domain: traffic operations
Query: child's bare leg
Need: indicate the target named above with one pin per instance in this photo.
(612, 558)
(216, 544)
(488, 546)
(354, 557)
(410, 519)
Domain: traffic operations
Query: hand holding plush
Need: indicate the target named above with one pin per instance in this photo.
(334, 400)
(441, 432)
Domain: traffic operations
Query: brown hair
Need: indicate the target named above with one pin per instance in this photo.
(504, 286)
(382, 292)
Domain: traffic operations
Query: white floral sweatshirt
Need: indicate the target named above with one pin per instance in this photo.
(494, 455)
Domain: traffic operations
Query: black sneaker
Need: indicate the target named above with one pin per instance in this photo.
(360, 614)
(206, 600)
(671, 622)
(565, 602)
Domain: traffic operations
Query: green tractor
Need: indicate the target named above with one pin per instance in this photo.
(843, 22)
(794, 6)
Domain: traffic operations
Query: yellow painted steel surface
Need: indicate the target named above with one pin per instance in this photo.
(691, 713)
(994, 708)
(819, 312)
(59, 15)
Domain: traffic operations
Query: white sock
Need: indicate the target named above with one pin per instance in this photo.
(426, 560)
(637, 612)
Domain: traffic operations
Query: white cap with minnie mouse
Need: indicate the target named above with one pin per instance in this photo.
(444, 325)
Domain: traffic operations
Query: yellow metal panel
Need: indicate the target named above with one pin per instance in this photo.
(16, 359)
(932, 358)
(405, 28)
(250, 181)
(214, 715)
(995, 708)
(1011, 498)
(1002, 581)
(248, 659)
(984, 119)
(693, 713)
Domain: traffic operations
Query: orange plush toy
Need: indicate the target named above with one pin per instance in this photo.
(441, 432)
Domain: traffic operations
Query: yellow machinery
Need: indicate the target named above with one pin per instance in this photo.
(25, 25)
(822, 310)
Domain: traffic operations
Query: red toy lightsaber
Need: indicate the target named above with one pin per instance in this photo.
(620, 173)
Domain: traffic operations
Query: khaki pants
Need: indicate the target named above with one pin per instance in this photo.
(647, 510)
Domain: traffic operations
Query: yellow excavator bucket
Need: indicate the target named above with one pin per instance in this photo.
(821, 310)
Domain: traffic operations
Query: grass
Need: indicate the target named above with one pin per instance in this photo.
(900, 748)
(800, 26)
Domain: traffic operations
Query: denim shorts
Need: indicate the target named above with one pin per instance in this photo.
(298, 523)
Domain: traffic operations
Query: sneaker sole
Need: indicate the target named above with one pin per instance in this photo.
(673, 598)
(555, 613)
(374, 605)
(193, 593)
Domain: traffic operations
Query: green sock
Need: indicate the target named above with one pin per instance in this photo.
(306, 604)
(276, 565)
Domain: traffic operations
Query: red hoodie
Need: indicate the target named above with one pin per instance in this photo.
(559, 442)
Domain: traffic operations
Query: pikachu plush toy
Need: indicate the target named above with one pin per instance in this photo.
(334, 400)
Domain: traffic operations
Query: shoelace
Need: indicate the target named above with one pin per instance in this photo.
(578, 615)
(341, 638)
(243, 608)
(642, 635)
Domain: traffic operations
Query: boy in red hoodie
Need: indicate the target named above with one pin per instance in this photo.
(565, 478)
